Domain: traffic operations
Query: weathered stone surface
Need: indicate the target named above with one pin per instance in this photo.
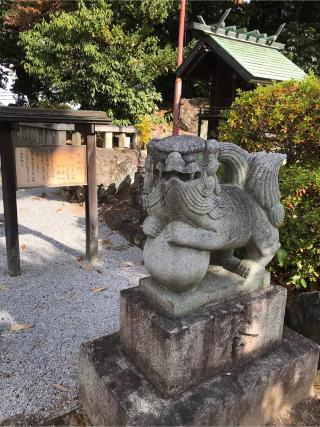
(114, 392)
(177, 354)
(189, 110)
(65, 414)
(115, 166)
(177, 269)
(196, 219)
(217, 286)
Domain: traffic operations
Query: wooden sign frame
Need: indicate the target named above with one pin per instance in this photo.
(84, 122)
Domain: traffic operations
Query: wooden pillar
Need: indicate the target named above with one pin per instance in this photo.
(8, 169)
(91, 200)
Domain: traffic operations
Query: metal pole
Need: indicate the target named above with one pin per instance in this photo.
(178, 82)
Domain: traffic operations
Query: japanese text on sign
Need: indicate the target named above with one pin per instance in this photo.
(50, 166)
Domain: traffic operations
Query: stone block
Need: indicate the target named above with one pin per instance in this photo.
(124, 141)
(76, 139)
(107, 140)
(175, 354)
(114, 166)
(114, 392)
(218, 285)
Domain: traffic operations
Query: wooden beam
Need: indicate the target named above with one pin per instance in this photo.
(262, 36)
(201, 20)
(279, 30)
(254, 33)
(241, 30)
(8, 171)
(230, 28)
(273, 38)
(37, 115)
(91, 200)
(221, 20)
(194, 63)
(269, 39)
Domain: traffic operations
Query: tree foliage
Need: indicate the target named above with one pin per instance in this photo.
(24, 14)
(302, 46)
(138, 20)
(88, 56)
(17, 16)
(281, 116)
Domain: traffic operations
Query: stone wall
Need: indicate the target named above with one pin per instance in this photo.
(116, 169)
(116, 165)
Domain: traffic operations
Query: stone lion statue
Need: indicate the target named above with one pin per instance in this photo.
(205, 199)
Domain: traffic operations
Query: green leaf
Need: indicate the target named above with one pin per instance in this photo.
(281, 256)
(303, 283)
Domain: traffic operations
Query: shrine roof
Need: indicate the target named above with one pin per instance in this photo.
(255, 63)
(256, 57)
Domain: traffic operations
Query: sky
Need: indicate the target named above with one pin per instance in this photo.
(6, 97)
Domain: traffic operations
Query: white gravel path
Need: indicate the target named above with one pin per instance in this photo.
(54, 294)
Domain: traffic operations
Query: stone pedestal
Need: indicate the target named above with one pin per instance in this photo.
(175, 354)
(114, 392)
(225, 364)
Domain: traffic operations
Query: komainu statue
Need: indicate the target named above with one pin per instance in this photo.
(204, 200)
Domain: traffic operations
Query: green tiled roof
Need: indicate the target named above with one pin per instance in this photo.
(259, 62)
(256, 63)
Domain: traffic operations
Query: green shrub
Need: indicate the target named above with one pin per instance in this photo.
(298, 260)
(282, 116)
(285, 116)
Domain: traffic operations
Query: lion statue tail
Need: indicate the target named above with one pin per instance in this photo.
(235, 161)
(262, 183)
(256, 173)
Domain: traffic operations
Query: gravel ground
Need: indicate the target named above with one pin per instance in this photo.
(59, 297)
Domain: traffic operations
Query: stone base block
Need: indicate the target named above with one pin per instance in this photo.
(114, 392)
(218, 285)
(175, 354)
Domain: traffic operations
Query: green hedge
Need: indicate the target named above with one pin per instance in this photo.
(286, 117)
(282, 115)
(298, 260)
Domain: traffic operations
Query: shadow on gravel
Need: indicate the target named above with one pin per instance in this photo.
(25, 230)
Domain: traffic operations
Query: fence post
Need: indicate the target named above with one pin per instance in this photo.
(91, 200)
(8, 171)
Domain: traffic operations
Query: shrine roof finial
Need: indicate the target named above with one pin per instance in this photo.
(242, 34)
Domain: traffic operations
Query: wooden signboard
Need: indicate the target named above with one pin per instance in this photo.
(50, 166)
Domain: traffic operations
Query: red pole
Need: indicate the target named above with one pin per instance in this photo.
(178, 82)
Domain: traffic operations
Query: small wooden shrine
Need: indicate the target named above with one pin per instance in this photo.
(232, 58)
